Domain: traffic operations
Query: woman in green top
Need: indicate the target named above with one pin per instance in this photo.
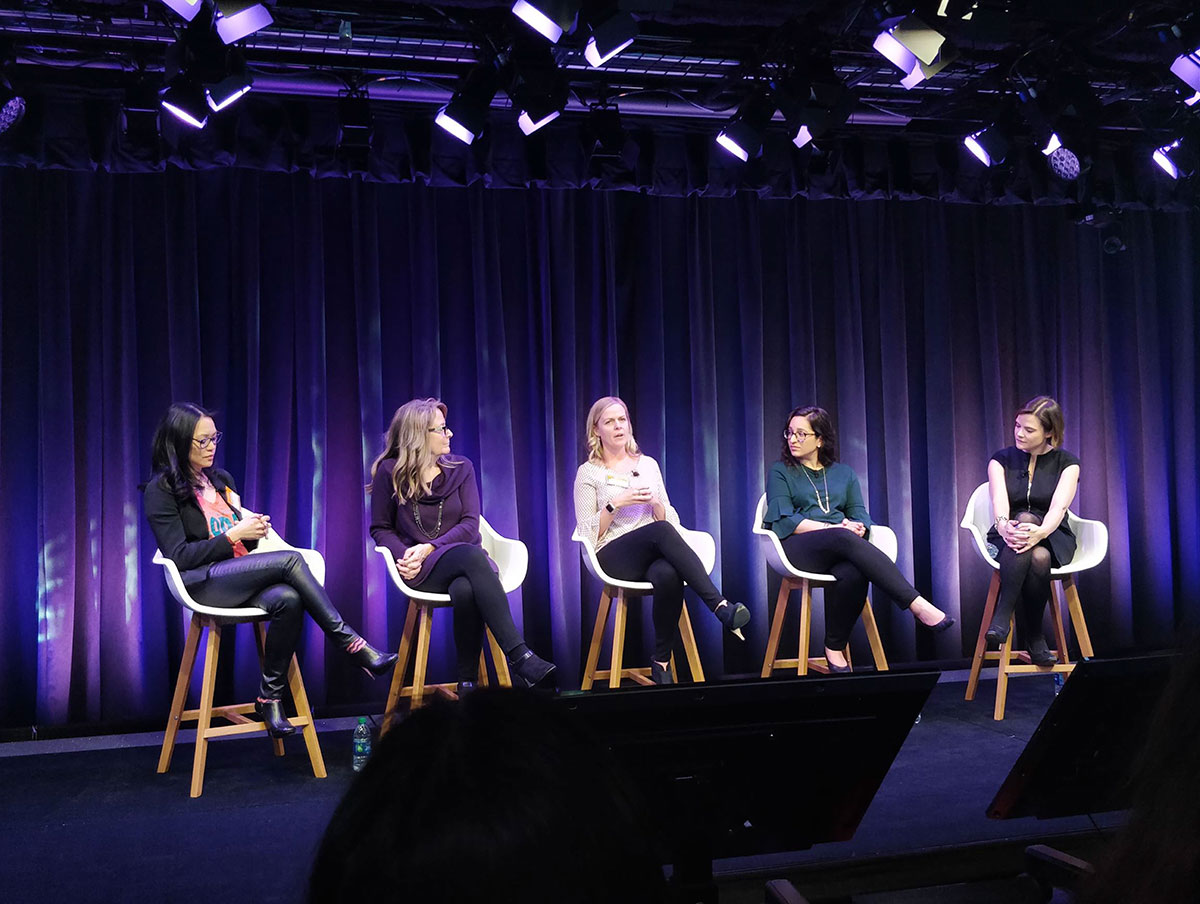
(815, 507)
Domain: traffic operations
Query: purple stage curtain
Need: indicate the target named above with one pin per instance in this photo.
(304, 311)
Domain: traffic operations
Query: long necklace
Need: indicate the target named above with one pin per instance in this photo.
(827, 504)
(437, 527)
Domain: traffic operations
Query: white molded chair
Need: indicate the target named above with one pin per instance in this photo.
(512, 557)
(705, 548)
(214, 619)
(806, 581)
(1091, 546)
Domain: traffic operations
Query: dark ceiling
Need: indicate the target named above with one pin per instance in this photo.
(692, 63)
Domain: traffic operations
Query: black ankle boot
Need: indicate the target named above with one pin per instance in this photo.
(661, 674)
(271, 712)
(369, 659)
(533, 671)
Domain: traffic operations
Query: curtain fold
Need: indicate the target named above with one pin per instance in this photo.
(305, 311)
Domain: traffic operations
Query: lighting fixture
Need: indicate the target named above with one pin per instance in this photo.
(811, 110)
(743, 135)
(236, 19)
(185, 8)
(355, 123)
(606, 134)
(139, 112)
(536, 86)
(549, 18)
(466, 114)
(989, 145)
(186, 100)
(1177, 159)
(228, 90)
(12, 107)
(918, 50)
(609, 36)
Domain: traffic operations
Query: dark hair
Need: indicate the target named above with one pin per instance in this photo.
(1049, 415)
(502, 796)
(171, 449)
(822, 426)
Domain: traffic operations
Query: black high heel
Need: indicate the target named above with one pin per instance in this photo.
(271, 713)
(369, 659)
(733, 616)
(945, 624)
(534, 671)
(661, 674)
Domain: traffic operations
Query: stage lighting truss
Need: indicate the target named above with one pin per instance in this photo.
(743, 135)
(237, 19)
(609, 34)
(917, 49)
(549, 18)
(465, 116)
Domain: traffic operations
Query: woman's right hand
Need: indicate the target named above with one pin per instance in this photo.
(633, 496)
(252, 528)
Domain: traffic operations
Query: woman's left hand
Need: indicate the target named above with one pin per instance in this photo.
(857, 527)
(1029, 535)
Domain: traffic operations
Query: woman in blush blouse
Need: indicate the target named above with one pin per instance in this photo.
(425, 511)
(815, 507)
(621, 506)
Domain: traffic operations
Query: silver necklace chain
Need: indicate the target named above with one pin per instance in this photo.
(437, 529)
(827, 505)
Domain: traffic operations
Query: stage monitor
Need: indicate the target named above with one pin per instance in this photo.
(758, 767)
(1080, 758)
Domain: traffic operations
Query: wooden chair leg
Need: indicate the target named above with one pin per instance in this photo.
(618, 642)
(868, 616)
(260, 643)
(689, 647)
(989, 610)
(179, 700)
(424, 631)
(1006, 650)
(304, 718)
(781, 601)
(805, 628)
(593, 658)
(499, 661)
(398, 673)
(481, 675)
(1056, 619)
(204, 717)
(1077, 621)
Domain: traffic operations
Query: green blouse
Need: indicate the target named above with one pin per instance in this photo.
(793, 493)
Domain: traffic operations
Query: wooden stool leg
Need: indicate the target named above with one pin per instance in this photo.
(989, 610)
(398, 673)
(689, 648)
(593, 659)
(481, 675)
(499, 660)
(805, 628)
(618, 641)
(424, 630)
(1002, 672)
(204, 719)
(181, 690)
(1056, 619)
(260, 642)
(304, 717)
(781, 601)
(868, 615)
(1077, 620)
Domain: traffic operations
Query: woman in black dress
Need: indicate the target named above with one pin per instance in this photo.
(1032, 485)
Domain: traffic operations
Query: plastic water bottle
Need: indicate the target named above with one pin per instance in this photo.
(362, 743)
(1058, 683)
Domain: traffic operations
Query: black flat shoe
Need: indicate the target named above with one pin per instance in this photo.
(733, 616)
(995, 637)
(945, 624)
(271, 713)
(838, 669)
(661, 674)
(370, 660)
(533, 671)
(1039, 653)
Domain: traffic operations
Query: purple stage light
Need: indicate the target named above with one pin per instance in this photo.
(228, 90)
(549, 18)
(609, 38)
(802, 137)
(236, 19)
(446, 120)
(988, 145)
(529, 125)
(187, 101)
(11, 112)
(1187, 68)
(917, 50)
(185, 8)
(1064, 164)
(730, 143)
(1163, 159)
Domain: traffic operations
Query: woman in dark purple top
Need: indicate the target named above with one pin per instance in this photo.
(425, 511)
(1032, 484)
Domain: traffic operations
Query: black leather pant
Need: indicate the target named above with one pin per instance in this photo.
(658, 554)
(281, 584)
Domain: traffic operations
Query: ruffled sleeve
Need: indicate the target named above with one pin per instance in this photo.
(782, 515)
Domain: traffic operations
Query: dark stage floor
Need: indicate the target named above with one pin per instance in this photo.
(89, 820)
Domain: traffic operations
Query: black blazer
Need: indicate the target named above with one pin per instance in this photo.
(182, 531)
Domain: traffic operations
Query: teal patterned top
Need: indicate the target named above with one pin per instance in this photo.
(793, 493)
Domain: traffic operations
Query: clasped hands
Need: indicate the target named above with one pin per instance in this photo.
(1021, 536)
(252, 526)
(410, 563)
(856, 527)
(634, 496)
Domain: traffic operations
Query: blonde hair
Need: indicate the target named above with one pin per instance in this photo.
(594, 447)
(407, 441)
(1049, 415)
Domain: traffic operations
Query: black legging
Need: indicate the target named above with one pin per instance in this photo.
(1024, 576)
(479, 599)
(281, 584)
(855, 562)
(657, 553)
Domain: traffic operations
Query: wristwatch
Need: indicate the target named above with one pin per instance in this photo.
(610, 508)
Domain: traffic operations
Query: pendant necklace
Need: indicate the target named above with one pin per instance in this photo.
(437, 528)
(826, 505)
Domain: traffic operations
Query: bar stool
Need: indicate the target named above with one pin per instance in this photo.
(213, 620)
(807, 581)
(1091, 546)
(512, 557)
(705, 548)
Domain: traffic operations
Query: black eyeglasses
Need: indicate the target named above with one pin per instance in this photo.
(798, 434)
(205, 441)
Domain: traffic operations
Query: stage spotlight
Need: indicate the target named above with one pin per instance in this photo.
(466, 114)
(743, 136)
(918, 50)
(990, 145)
(609, 37)
(810, 111)
(549, 18)
(1187, 68)
(607, 136)
(537, 87)
(1064, 162)
(12, 107)
(185, 8)
(228, 90)
(235, 19)
(1177, 159)
(186, 100)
